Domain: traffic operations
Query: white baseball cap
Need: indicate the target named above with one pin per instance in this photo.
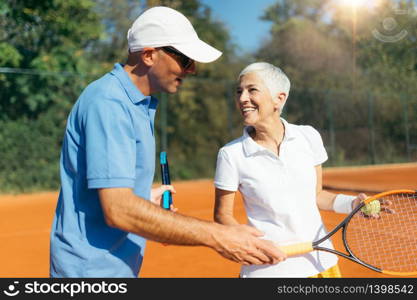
(163, 26)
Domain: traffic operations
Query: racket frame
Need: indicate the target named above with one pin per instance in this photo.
(345, 224)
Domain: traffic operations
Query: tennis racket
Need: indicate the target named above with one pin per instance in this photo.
(166, 180)
(387, 244)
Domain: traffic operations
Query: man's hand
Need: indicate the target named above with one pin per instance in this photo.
(241, 244)
(156, 195)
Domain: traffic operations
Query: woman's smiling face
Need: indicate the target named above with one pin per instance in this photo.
(254, 101)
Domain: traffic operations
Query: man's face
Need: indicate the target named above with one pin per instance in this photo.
(167, 74)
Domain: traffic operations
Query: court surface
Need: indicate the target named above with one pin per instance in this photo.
(25, 222)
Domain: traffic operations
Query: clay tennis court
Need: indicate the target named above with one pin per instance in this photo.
(25, 222)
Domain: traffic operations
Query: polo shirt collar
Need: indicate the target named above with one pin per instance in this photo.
(289, 132)
(134, 94)
(251, 147)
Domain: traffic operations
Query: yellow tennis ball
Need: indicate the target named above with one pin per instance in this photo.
(374, 207)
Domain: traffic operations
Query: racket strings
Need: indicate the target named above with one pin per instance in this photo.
(390, 242)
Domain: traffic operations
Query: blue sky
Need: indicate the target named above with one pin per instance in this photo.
(241, 17)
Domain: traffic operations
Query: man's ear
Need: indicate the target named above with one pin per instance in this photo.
(148, 56)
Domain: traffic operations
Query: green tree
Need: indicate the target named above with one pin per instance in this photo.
(116, 17)
(44, 49)
(47, 36)
(346, 80)
(389, 62)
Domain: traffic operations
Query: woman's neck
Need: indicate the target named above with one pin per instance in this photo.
(269, 135)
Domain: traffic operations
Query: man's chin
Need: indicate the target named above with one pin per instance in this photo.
(172, 90)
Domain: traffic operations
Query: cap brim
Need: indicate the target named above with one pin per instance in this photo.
(199, 51)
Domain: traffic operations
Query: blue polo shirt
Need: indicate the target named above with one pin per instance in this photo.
(109, 142)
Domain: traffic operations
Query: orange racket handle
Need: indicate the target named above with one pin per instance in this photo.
(297, 249)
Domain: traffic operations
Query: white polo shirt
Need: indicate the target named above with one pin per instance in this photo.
(279, 194)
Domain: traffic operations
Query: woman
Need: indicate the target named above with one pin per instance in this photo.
(276, 166)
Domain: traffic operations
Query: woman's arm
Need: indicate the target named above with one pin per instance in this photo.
(223, 207)
(325, 199)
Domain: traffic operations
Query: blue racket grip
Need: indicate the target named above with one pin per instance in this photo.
(166, 200)
(163, 158)
(166, 196)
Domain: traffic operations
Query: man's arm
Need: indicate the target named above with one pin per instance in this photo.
(124, 210)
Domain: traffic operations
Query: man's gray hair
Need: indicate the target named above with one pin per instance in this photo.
(273, 77)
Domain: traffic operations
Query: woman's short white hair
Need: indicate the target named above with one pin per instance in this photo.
(273, 77)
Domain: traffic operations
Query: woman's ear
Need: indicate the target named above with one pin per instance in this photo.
(279, 101)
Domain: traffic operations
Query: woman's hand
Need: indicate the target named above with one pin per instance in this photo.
(384, 206)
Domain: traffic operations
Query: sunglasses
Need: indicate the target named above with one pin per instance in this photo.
(184, 60)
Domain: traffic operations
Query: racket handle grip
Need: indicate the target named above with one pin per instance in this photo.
(296, 249)
(166, 200)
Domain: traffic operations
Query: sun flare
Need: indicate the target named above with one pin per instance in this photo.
(355, 4)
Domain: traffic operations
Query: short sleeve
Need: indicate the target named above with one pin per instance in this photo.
(110, 145)
(316, 144)
(226, 177)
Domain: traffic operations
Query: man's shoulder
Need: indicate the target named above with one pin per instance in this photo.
(105, 89)
(105, 86)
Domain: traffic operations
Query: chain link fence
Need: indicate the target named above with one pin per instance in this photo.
(357, 129)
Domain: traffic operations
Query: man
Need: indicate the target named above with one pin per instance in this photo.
(103, 217)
